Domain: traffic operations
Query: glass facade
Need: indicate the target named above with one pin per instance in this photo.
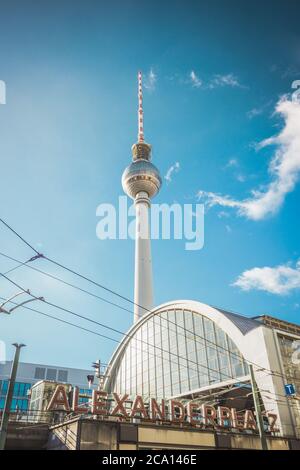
(85, 395)
(174, 352)
(20, 397)
(291, 368)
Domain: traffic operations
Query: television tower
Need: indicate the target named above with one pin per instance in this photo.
(141, 181)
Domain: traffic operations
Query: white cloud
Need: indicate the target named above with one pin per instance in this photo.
(241, 178)
(228, 228)
(232, 163)
(256, 111)
(173, 169)
(216, 82)
(196, 81)
(225, 80)
(279, 280)
(284, 169)
(223, 214)
(150, 80)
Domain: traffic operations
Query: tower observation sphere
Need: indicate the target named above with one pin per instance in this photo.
(141, 175)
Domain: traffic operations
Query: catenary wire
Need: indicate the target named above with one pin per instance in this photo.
(213, 345)
(39, 255)
(231, 377)
(216, 347)
(118, 342)
(117, 331)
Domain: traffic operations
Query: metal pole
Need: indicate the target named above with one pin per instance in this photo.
(257, 406)
(9, 396)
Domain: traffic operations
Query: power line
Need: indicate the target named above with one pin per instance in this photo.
(63, 321)
(131, 337)
(216, 347)
(39, 255)
(63, 282)
(118, 331)
(118, 342)
(89, 331)
(76, 287)
(19, 236)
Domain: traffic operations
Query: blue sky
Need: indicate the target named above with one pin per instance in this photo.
(219, 69)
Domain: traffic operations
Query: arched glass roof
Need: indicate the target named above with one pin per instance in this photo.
(175, 351)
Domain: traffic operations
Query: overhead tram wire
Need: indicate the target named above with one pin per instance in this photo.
(149, 311)
(63, 321)
(19, 236)
(114, 304)
(117, 331)
(98, 334)
(64, 282)
(91, 331)
(20, 264)
(130, 336)
(216, 347)
(40, 255)
(76, 287)
(119, 341)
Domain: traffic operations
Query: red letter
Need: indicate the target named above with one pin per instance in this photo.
(224, 415)
(250, 422)
(119, 405)
(209, 415)
(176, 404)
(99, 406)
(272, 422)
(237, 419)
(75, 406)
(59, 398)
(156, 412)
(193, 415)
(139, 407)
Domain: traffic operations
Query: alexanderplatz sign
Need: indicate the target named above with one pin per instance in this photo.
(172, 411)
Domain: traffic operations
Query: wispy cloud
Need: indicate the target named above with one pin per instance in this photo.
(173, 169)
(284, 169)
(256, 111)
(223, 214)
(225, 80)
(240, 177)
(232, 163)
(279, 280)
(150, 80)
(217, 81)
(196, 81)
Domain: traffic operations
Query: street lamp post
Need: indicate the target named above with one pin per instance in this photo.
(9, 396)
(257, 406)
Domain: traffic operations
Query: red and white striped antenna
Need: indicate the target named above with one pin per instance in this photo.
(140, 110)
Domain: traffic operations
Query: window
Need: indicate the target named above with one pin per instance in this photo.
(39, 373)
(62, 376)
(4, 387)
(175, 351)
(51, 374)
(85, 391)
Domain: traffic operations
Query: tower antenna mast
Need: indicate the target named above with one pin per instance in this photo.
(140, 109)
